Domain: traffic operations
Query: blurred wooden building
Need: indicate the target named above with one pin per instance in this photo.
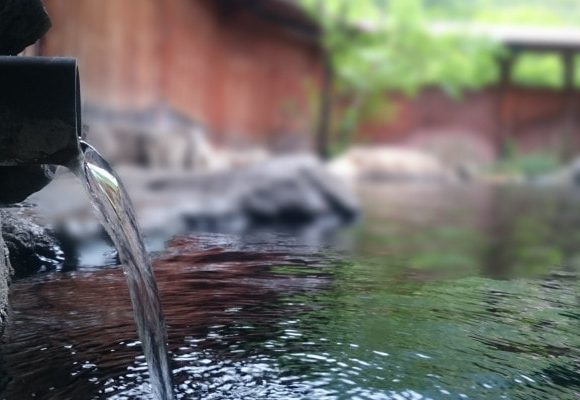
(244, 69)
(248, 72)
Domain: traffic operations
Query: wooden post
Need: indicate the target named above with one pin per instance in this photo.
(325, 112)
(567, 141)
(505, 105)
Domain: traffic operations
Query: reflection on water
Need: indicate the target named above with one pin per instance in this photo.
(446, 293)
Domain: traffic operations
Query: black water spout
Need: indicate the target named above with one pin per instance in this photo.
(40, 122)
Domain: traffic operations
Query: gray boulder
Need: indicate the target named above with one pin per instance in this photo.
(284, 190)
(294, 189)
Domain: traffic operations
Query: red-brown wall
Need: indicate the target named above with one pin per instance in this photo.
(246, 78)
(534, 118)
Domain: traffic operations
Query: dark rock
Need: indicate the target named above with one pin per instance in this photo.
(19, 182)
(293, 190)
(290, 200)
(32, 248)
(22, 22)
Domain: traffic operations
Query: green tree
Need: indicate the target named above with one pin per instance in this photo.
(376, 46)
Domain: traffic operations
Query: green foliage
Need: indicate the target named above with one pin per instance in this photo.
(531, 70)
(378, 46)
(539, 70)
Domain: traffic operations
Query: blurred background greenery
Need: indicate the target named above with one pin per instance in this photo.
(395, 46)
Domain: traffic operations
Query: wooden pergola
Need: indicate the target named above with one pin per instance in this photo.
(566, 43)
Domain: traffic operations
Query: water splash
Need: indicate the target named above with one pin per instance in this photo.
(116, 213)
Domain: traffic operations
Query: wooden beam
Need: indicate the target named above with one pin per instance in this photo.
(325, 112)
(568, 142)
(505, 104)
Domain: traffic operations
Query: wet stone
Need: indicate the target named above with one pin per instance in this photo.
(32, 248)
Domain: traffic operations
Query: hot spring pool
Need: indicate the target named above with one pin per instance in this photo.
(439, 293)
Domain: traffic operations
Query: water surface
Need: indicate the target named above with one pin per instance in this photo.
(439, 293)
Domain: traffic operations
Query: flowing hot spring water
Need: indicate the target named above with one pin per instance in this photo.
(116, 213)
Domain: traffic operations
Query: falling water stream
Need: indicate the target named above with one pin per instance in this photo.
(116, 213)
